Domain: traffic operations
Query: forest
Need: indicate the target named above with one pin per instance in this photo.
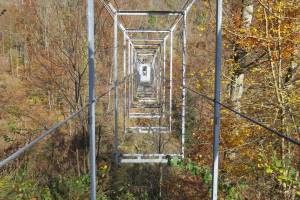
(44, 79)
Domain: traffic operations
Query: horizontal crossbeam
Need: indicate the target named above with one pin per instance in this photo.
(147, 40)
(145, 115)
(148, 13)
(145, 95)
(148, 100)
(150, 155)
(150, 48)
(145, 130)
(151, 51)
(139, 105)
(147, 158)
(145, 54)
(146, 31)
(140, 161)
(145, 45)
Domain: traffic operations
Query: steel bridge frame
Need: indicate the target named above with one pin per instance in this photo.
(217, 73)
(136, 48)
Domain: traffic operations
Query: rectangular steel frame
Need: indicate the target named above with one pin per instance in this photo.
(132, 54)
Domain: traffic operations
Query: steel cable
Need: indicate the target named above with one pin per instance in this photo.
(278, 133)
(53, 128)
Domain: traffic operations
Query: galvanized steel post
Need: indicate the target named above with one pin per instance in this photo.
(129, 76)
(164, 78)
(124, 83)
(183, 85)
(217, 115)
(116, 108)
(135, 70)
(132, 77)
(91, 113)
(171, 80)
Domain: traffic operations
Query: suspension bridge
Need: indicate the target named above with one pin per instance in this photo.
(147, 90)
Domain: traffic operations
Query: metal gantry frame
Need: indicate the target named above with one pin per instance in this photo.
(147, 48)
(129, 70)
(150, 47)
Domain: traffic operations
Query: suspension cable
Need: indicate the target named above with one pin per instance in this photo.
(53, 128)
(255, 121)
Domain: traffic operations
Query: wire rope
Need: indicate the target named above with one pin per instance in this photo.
(53, 128)
(255, 121)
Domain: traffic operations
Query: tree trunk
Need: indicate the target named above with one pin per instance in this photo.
(237, 80)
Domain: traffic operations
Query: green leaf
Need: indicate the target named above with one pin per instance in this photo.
(269, 170)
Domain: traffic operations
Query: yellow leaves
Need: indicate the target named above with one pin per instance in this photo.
(103, 170)
(278, 6)
(34, 100)
(3, 182)
(254, 30)
(255, 70)
(104, 167)
(198, 86)
(230, 61)
(269, 170)
(294, 98)
(201, 28)
(59, 117)
(192, 73)
(288, 52)
(243, 30)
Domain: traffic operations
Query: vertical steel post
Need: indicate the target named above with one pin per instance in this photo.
(160, 68)
(217, 115)
(132, 76)
(157, 74)
(91, 117)
(116, 109)
(135, 70)
(160, 79)
(124, 83)
(171, 79)
(129, 76)
(164, 78)
(183, 85)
